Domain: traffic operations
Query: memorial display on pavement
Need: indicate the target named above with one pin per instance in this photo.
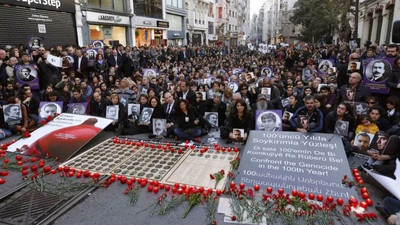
(308, 162)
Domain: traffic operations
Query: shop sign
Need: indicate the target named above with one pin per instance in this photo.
(162, 24)
(56, 5)
(42, 28)
(106, 18)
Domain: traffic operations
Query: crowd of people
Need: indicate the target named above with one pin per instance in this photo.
(198, 88)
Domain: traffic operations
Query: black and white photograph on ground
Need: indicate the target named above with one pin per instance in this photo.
(77, 108)
(269, 120)
(47, 109)
(112, 112)
(160, 127)
(145, 116)
(12, 114)
(341, 128)
(212, 118)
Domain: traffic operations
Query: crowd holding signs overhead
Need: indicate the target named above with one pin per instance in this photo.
(186, 92)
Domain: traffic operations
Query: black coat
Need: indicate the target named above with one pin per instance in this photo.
(392, 82)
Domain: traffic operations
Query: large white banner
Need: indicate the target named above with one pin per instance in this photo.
(61, 137)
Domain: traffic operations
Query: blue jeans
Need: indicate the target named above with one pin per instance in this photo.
(391, 205)
(7, 133)
(180, 132)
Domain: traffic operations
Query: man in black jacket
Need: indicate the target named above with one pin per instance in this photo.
(361, 93)
(98, 105)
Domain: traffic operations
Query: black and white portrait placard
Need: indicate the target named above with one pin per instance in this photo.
(77, 108)
(212, 118)
(159, 127)
(112, 112)
(12, 114)
(47, 109)
(145, 116)
(269, 120)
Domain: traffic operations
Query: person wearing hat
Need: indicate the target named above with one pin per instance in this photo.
(262, 103)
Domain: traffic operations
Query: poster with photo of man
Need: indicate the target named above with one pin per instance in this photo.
(237, 71)
(112, 112)
(307, 75)
(145, 116)
(267, 72)
(91, 54)
(233, 86)
(341, 128)
(269, 120)
(12, 114)
(285, 102)
(34, 43)
(47, 109)
(267, 92)
(362, 140)
(287, 116)
(324, 65)
(212, 118)
(376, 73)
(77, 108)
(98, 44)
(360, 108)
(150, 72)
(238, 135)
(27, 74)
(353, 67)
(160, 127)
(133, 110)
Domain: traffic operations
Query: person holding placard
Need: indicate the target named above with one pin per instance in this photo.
(119, 115)
(188, 122)
(239, 118)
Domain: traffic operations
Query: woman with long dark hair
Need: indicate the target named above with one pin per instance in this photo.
(239, 118)
(188, 122)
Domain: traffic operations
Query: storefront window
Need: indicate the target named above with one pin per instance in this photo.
(175, 22)
(116, 5)
(119, 5)
(143, 36)
(108, 33)
(107, 4)
(149, 8)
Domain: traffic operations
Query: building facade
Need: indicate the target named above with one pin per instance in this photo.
(149, 23)
(376, 19)
(197, 22)
(176, 16)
